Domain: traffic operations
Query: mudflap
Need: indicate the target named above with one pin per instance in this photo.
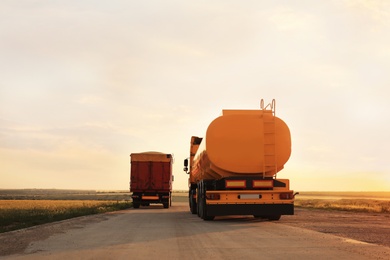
(250, 209)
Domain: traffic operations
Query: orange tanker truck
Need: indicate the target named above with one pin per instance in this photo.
(151, 178)
(232, 170)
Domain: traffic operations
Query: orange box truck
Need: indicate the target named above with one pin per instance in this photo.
(232, 170)
(151, 178)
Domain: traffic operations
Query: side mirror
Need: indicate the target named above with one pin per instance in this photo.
(185, 165)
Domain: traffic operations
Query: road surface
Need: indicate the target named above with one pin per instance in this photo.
(157, 233)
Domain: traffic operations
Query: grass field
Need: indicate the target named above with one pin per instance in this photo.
(357, 205)
(379, 195)
(16, 214)
(378, 202)
(54, 194)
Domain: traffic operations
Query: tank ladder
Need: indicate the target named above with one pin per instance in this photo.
(269, 160)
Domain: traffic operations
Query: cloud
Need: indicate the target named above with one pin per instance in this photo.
(290, 19)
(86, 82)
(378, 10)
(90, 100)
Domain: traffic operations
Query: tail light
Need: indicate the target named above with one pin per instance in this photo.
(235, 184)
(213, 196)
(286, 196)
(263, 184)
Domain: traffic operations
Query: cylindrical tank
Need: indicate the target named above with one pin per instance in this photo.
(243, 142)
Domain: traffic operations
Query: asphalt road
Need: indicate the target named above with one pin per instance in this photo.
(157, 233)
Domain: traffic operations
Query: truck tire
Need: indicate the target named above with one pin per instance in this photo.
(198, 199)
(136, 205)
(166, 205)
(193, 206)
(274, 217)
(200, 205)
(202, 202)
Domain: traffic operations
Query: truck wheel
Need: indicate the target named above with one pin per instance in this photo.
(193, 206)
(136, 205)
(274, 217)
(208, 218)
(202, 202)
(189, 198)
(166, 205)
(198, 209)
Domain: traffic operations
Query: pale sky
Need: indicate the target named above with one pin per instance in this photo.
(85, 83)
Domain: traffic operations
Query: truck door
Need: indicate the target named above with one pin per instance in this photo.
(160, 175)
(140, 176)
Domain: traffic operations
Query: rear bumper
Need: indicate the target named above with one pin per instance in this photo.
(250, 209)
(151, 197)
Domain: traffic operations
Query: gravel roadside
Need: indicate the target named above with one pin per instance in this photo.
(371, 228)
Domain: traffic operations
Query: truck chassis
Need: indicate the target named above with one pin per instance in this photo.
(145, 199)
(208, 199)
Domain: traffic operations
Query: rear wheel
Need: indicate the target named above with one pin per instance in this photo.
(198, 209)
(208, 218)
(193, 206)
(274, 217)
(202, 202)
(136, 205)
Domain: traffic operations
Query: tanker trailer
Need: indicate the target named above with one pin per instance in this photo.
(233, 169)
(151, 178)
